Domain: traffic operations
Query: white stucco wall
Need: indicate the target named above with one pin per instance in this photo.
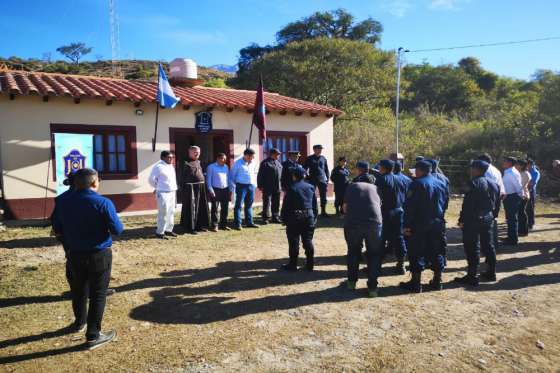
(25, 137)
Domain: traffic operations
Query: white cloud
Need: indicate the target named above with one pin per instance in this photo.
(446, 4)
(397, 8)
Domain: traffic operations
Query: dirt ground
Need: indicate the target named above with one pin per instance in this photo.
(217, 302)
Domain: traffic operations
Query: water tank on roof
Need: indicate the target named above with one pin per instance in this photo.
(183, 68)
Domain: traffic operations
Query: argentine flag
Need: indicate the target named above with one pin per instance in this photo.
(165, 95)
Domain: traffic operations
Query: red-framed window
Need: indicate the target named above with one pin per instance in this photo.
(287, 141)
(114, 148)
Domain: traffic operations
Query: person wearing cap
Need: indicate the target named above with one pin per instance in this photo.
(496, 176)
(86, 221)
(423, 223)
(288, 166)
(392, 189)
(268, 181)
(164, 181)
(362, 173)
(340, 176)
(318, 174)
(512, 201)
(535, 178)
(523, 226)
(362, 224)
(299, 214)
(476, 219)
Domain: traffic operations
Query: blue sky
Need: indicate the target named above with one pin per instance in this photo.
(213, 31)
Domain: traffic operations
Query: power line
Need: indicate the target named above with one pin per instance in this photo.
(486, 45)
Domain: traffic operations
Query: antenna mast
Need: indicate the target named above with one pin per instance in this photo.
(114, 27)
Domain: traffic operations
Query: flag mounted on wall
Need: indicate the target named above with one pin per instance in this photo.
(165, 97)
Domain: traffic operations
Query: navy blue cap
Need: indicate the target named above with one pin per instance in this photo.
(434, 163)
(299, 171)
(419, 158)
(363, 165)
(480, 164)
(387, 163)
(423, 165)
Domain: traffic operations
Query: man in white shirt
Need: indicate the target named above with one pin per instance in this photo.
(217, 175)
(243, 181)
(164, 181)
(512, 201)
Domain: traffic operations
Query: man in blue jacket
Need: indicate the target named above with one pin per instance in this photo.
(318, 174)
(423, 224)
(392, 189)
(85, 220)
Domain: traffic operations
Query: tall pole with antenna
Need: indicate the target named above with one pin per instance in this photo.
(114, 28)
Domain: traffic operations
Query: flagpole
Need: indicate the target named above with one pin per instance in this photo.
(157, 117)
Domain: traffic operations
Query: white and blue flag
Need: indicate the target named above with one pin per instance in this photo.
(165, 95)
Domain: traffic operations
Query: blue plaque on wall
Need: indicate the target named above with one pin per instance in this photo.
(203, 121)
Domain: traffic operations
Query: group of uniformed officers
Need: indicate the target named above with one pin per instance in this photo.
(382, 208)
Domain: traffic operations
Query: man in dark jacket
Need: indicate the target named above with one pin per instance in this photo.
(318, 174)
(195, 216)
(85, 221)
(340, 176)
(299, 213)
(268, 181)
(480, 206)
(287, 167)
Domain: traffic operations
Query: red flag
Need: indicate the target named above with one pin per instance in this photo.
(259, 113)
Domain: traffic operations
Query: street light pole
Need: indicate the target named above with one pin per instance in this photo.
(400, 51)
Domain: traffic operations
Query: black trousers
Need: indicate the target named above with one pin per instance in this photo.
(479, 236)
(295, 232)
(221, 200)
(355, 237)
(91, 272)
(322, 193)
(531, 208)
(271, 203)
(339, 192)
(523, 227)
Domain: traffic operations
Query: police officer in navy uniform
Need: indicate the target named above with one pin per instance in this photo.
(340, 176)
(268, 181)
(287, 167)
(392, 189)
(318, 174)
(299, 213)
(481, 205)
(423, 224)
(436, 173)
(363, 173)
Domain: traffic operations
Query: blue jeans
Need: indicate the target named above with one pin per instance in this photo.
(244, 195)
(511, 205)
(355, 237)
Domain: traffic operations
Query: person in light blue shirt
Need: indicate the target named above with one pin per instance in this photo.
(217, 175)
(243, 181)
(535, 178)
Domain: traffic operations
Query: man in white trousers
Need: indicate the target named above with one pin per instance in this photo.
(164, 182)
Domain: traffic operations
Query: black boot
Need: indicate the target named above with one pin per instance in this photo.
(435, 283)
(324, 212)
(414, 285)
(490, 274)
(291, 266)
(309, 264)
(471, 278)
(399, 268)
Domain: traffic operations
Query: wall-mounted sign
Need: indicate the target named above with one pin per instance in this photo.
(72, 152)
(203, 121)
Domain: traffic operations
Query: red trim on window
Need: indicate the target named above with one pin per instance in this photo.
(94, 129)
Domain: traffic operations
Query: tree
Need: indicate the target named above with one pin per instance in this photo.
(337, 72)
(334, 24)
(485, 80)
(74, 51)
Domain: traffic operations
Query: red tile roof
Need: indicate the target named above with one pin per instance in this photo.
(79, 86)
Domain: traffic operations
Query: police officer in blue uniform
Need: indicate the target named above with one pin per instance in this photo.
(299, 213)
(481, 205)
(392, 189)
(364, 175)
(340, 176)
(423, 224)
(318, 174)
(287, 167)
(85, 221)
(268, 181)
(436, 173)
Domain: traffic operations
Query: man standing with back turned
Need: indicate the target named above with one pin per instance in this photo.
(86, 220)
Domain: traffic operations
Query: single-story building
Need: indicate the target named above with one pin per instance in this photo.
(120, 115)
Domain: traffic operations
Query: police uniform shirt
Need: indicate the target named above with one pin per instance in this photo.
(300, 196)
(425, 202)
(317, 168)
(481, 202)
(340, 176)
(392, 190)
(287, 168)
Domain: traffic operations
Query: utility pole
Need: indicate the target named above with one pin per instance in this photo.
(400, 51)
